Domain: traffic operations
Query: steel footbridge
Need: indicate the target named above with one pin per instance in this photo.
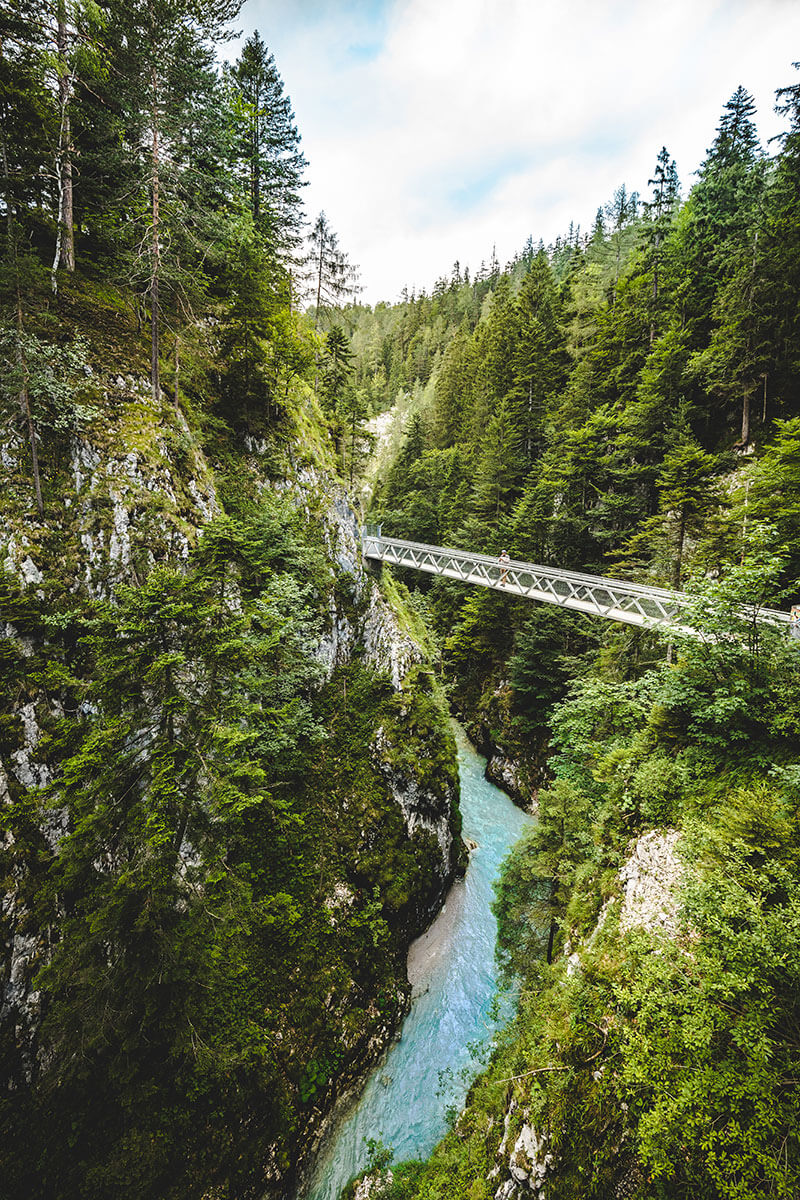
(614, 599)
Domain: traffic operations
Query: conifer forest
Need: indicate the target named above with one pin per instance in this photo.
(229, 783)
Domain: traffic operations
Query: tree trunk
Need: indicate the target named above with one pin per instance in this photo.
(25, 405)
(679, 540)
(319, 286)
(155, 380)
(353, 448)
(656, 248)
(65, 226)
(745, 416)
(22, 366)
(68, 219)
(616, 269)
(11, 246)
(255, 165)
(550, 941)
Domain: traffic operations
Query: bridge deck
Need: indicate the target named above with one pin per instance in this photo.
(615, 599)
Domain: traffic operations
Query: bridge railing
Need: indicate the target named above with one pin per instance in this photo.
(615, 599)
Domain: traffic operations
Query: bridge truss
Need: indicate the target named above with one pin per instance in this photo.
(614, 599)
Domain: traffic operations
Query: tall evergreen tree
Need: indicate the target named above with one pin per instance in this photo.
(723, 210)
(454, 386)
(781, 249)
(660, 212)
(270, 148)
(332, 277)
(539, 359)
(165, 41)
(621, 211)
(498, 465)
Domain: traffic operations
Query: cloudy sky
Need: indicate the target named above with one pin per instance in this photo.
(437, 129)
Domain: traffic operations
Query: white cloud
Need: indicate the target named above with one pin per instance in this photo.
(437, 128)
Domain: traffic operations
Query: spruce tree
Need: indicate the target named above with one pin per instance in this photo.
(269, 148)
(660, 212)
(539, 358)
(332, 277)
(161, 39)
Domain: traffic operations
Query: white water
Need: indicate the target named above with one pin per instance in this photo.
(445, 1036)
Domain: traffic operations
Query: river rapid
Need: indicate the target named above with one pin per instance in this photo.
(450, 1026)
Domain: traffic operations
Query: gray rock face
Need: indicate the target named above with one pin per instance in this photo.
(127, 484)
(650, 879)
(387, 647)
(530, 1159)
(525, 1167)
(376, 629)
(109, 518)
(651, 876)
(337, 644)
(129, 508)
(421, 808)
(371, 1187)
(505, 773)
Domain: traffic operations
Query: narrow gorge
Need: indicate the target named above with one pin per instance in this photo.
(331, 878)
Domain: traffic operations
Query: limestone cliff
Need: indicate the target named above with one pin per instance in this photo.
(138, 489)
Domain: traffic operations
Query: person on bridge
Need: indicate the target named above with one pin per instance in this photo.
(504, 571)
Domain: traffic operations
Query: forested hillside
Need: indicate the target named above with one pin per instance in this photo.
(228, 796)
(227, 788)
(626, 402)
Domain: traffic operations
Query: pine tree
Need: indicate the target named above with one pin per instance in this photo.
(622, 212)
(338, 365)
(165, 42)
(539, 359)
(660, 212)
(271, 148)
(723, 209)
(455, 381)
(27, 117)
(78, 26)
(260, 347)
(779, 297)
(498, 465)
(332, 277)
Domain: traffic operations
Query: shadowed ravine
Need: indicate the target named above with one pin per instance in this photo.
(451, 967)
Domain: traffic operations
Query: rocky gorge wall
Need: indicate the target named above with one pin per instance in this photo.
(137, 491)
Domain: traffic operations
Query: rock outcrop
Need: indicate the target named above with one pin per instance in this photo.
(423, 808)
(650, 877)
(507, 774)
(525, 1166)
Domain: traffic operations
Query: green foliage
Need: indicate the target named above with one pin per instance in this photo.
(228, 857)
(268, 150)
(53, 375)
(724, 1002)
(662, 1064)
(217, 854)
(261, 346)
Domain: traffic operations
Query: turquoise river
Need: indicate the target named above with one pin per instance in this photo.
(444, 1038)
